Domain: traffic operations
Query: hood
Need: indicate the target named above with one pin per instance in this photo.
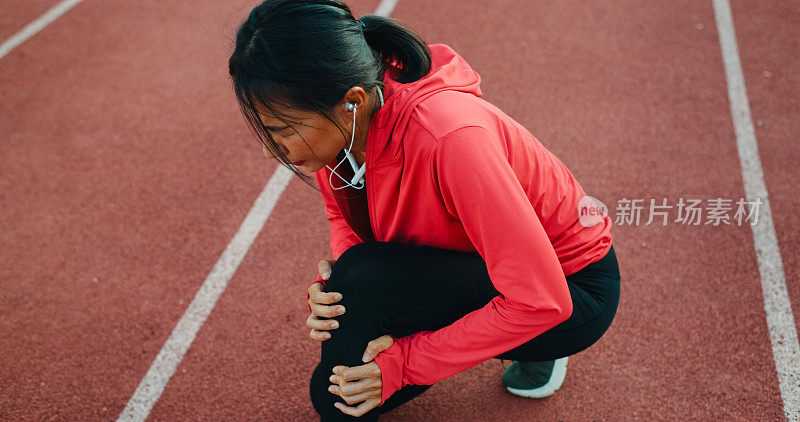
(449, 71)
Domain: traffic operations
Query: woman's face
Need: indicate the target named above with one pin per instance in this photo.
(315, 141)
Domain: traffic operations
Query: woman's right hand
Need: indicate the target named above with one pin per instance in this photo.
(323, 304)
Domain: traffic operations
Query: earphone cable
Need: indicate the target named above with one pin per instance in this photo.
(361, 184)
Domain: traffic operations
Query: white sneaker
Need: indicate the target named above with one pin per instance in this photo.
(535, 379)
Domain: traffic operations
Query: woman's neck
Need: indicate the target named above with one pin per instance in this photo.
(360, 156)
(363, 122)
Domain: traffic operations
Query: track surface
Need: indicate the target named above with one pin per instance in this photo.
(125, 170)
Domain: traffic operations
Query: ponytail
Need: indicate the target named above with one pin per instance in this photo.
(399, 48)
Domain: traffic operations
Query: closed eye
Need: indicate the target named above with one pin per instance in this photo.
(287, 133)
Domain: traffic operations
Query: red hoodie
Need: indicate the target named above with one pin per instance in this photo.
(448, 169)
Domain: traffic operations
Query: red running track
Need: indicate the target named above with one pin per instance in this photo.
(126, 170)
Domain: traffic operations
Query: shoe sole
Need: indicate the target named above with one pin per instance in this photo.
(553, 384)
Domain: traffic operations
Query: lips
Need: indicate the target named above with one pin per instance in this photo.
(298, 163)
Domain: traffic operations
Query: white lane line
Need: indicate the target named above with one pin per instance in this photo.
(155, 381)
(20, 37)
(385, 8)
(780, 320)
(171, 354)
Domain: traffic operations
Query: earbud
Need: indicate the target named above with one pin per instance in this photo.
(358, 178)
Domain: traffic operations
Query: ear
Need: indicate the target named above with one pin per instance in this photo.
(355, 95)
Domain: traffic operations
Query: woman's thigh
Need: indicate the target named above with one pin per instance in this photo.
(401, 289)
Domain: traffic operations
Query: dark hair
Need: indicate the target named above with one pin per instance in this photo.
(306, 55)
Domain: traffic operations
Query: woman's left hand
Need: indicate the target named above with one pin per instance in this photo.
(360, 383)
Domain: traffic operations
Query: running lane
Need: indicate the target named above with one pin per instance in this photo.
(769, 45)
(126, 170)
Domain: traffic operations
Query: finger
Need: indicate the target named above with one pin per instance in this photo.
(324, 267)
(315, 288)
(370, 351)
(376, 346)
(352, 388)
(357, 398)
(321, 324)
(320, 335)
(318, 296)
(357, 372)
(327, 311)
(359, 410)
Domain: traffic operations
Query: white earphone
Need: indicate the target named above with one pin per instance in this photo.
(358, 181)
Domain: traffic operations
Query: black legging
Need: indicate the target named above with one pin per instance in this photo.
(426, 288)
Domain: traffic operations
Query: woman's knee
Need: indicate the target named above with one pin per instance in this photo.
(359, 269)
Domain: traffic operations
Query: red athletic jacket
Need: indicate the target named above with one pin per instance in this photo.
(448, 169)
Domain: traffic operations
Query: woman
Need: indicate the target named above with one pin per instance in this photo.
(455, 234)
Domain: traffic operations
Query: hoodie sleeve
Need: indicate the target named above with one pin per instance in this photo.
(342, 236)
(479, 187)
